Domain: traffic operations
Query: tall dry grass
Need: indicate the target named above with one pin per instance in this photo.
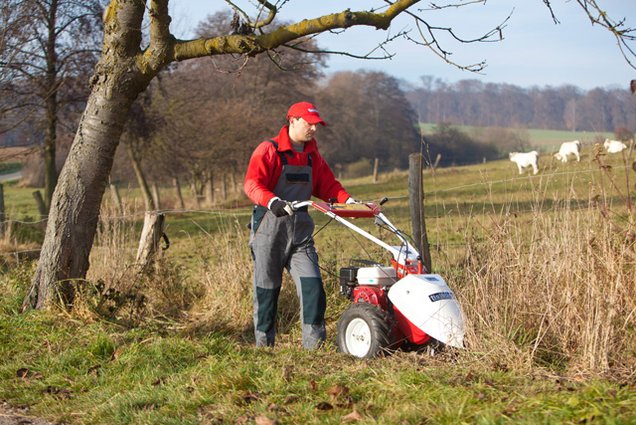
(555, 289)
(552, 289)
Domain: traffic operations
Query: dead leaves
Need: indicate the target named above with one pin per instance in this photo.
(339, 398)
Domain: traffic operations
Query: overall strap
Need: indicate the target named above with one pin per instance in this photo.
(283, 159)
(281, 155)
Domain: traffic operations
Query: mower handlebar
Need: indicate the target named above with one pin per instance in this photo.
(296, 205)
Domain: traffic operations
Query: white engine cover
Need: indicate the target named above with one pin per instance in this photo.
(428, 303)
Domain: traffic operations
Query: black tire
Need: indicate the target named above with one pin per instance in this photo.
(364, 331)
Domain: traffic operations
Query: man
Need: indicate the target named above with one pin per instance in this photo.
(284, 169)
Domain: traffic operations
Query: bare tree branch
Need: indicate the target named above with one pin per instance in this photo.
(623, 34)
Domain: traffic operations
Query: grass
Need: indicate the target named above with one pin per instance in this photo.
(543, 139)
(541, 265)
(82, 371)
(10, 167)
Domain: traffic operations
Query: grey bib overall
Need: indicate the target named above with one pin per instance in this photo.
(286, 242)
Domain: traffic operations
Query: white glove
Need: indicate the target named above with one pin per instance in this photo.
(351, 201)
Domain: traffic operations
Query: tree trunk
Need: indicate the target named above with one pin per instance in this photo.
(1, 211)
(156, 196)
(114, 192)
(177, 188)
(376, 164)
(141, 179)
(233, 183)
(224, 186)
(39, 201)
(51, 87)
(50, 170)
(209, 186)
(195, 192)
(74, 212)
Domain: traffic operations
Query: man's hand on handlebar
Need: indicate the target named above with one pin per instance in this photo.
(281, 208)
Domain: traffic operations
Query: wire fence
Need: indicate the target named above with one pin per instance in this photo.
(428, 194)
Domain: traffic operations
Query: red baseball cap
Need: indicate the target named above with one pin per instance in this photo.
(306, 111)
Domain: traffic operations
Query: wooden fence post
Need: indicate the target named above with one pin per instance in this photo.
(376, 163)
(416, 204)
(151, 235)
(437, 160)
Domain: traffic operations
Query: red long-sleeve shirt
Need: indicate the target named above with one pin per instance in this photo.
(265, 168)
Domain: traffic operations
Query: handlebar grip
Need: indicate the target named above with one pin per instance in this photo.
(384, 200)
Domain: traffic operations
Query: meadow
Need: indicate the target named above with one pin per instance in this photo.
(543, 266)
(544, 140)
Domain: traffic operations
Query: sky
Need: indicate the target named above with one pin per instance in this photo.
(534, 51)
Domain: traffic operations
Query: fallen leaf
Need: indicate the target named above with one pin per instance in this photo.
(338, 391)
(313, 385)
(323, 405)
(352, 417)
(264, 420)
(287, 373)
(116, 354)
(242, 420)
(249, 397)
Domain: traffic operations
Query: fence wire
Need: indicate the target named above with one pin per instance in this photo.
(234, 213)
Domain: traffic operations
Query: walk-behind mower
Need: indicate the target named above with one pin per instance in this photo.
(395, 305)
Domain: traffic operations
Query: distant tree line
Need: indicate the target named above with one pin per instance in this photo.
(471, 102)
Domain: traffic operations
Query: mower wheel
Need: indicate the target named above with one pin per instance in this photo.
(364, 331)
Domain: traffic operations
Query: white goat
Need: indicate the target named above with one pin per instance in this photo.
(569, 148)
(525, 159)
(614, 146)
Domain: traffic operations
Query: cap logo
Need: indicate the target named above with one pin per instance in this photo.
(312, 110)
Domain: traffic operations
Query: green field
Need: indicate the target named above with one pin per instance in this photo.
(541, 265)
(544, 140)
